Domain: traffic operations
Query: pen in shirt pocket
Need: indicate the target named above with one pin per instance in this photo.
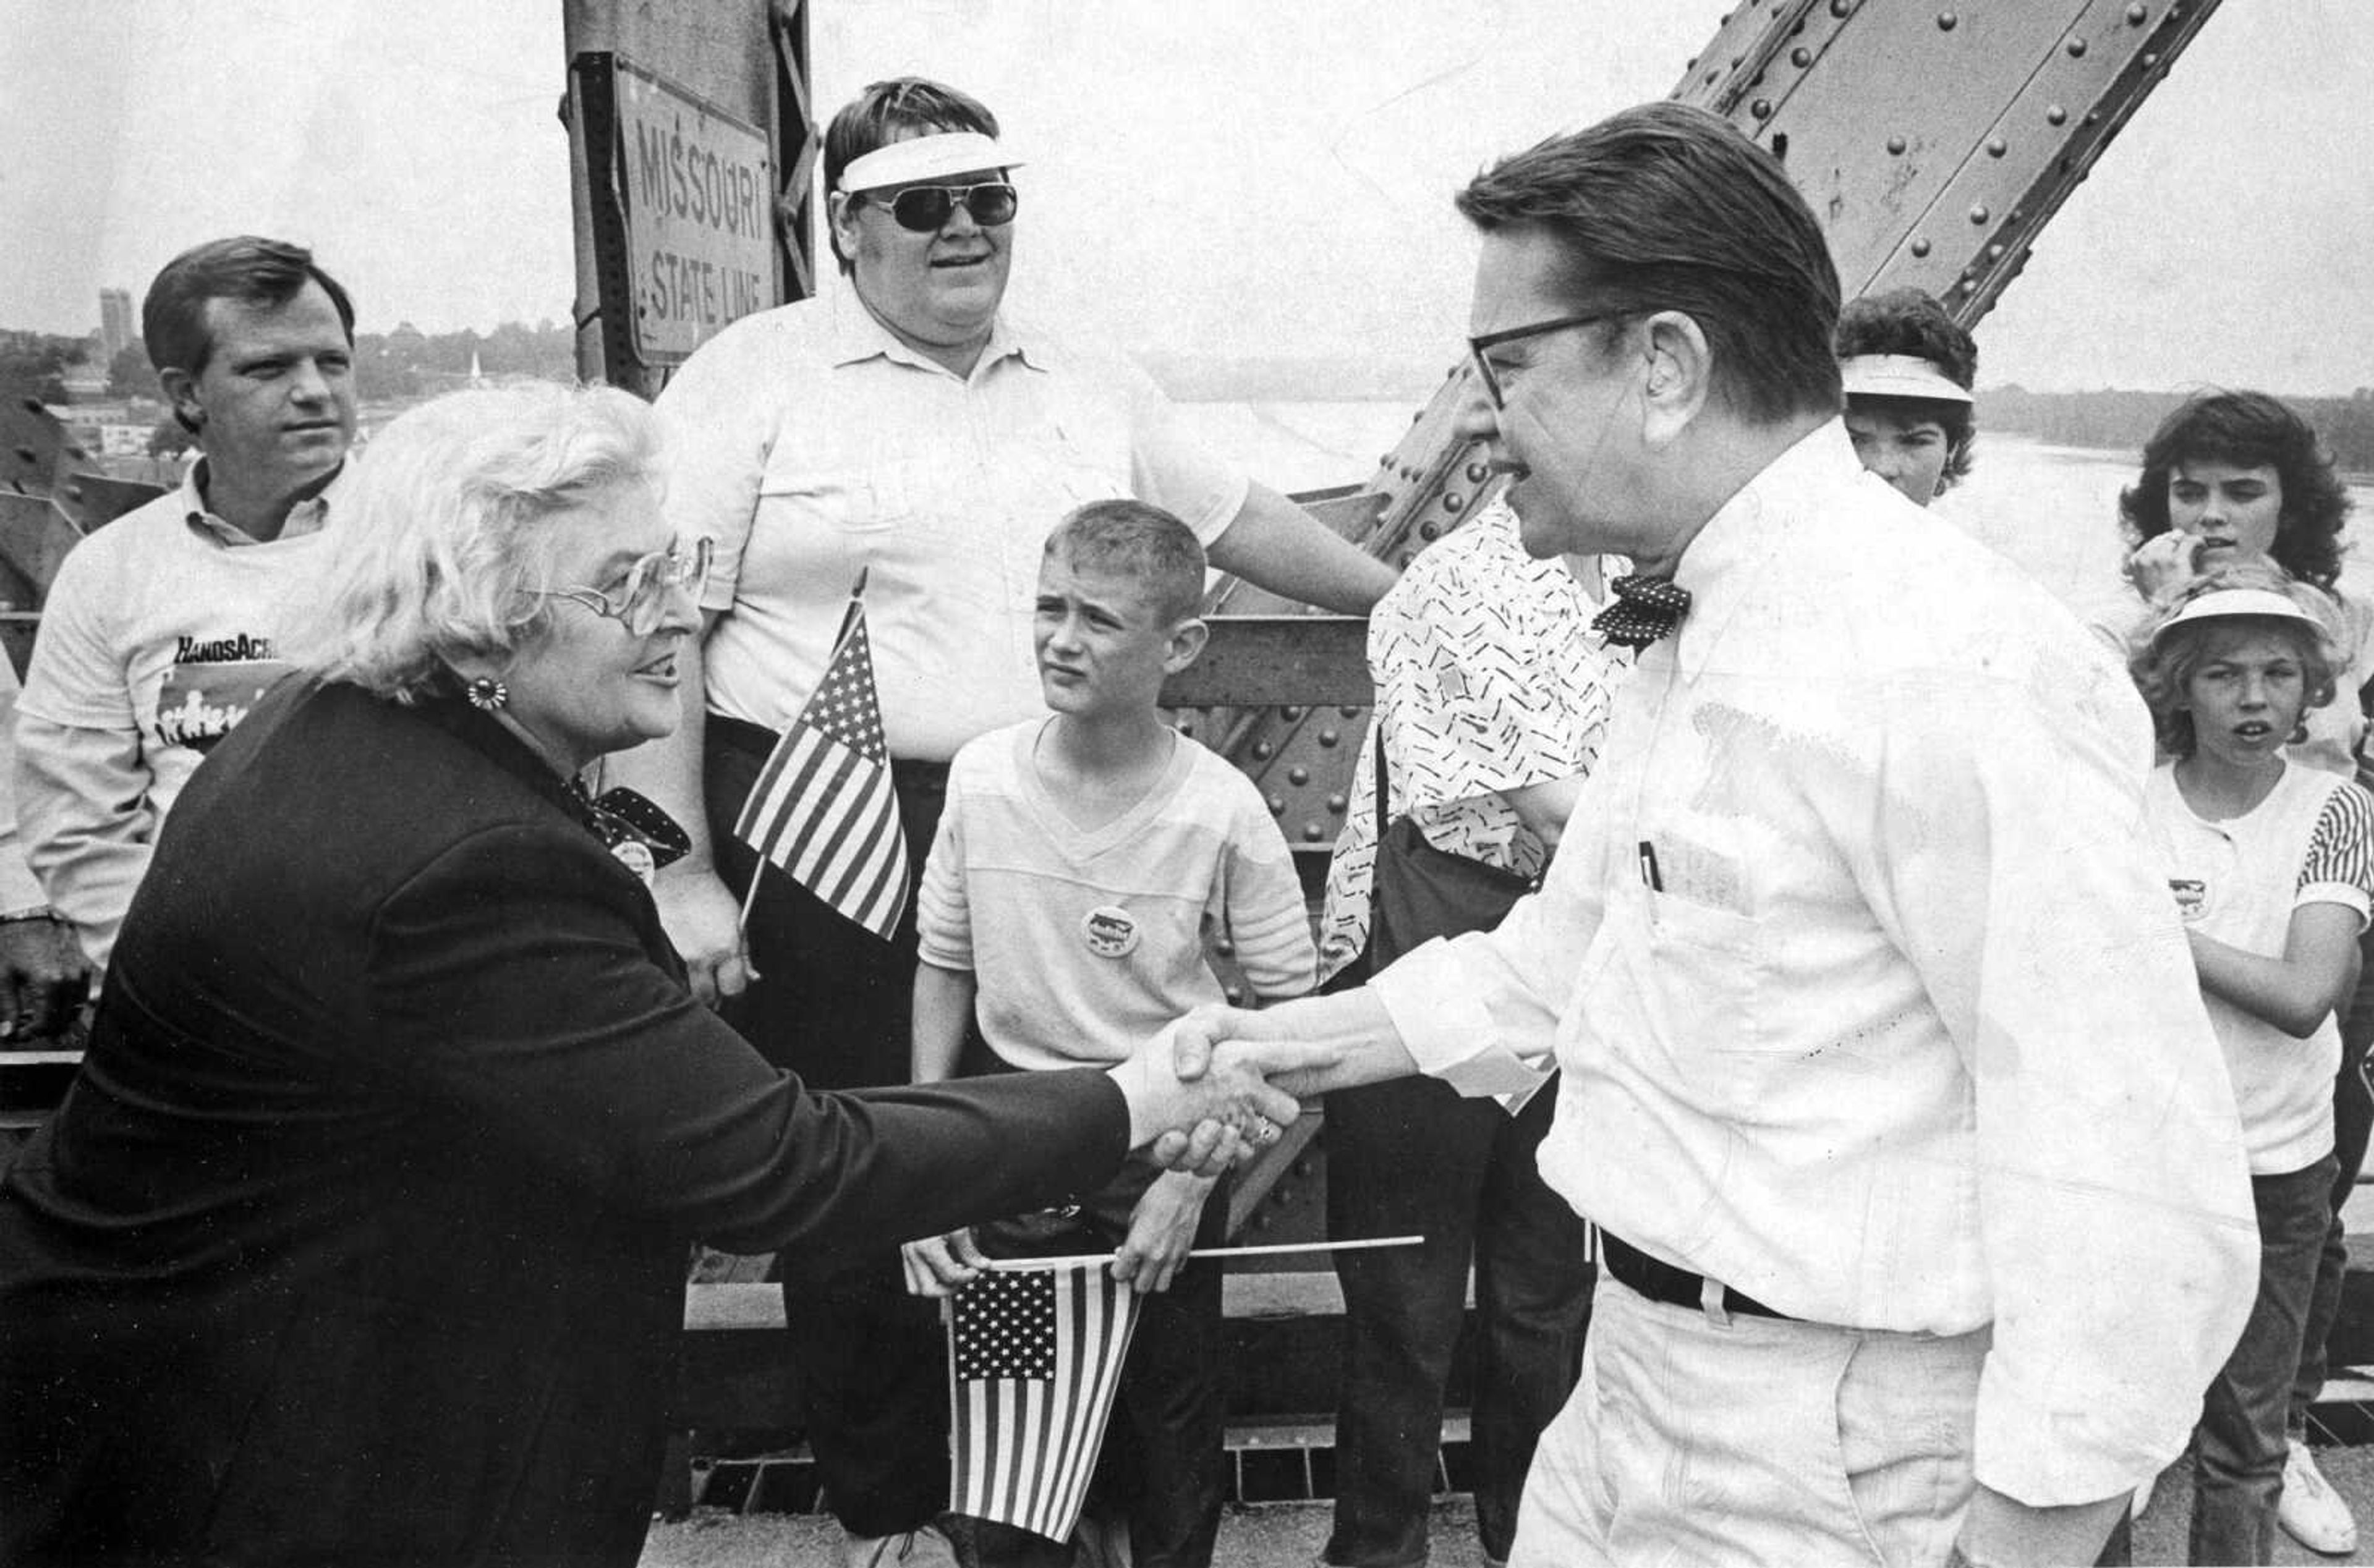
(1648, 853)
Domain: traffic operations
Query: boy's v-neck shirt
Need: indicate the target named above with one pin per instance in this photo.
(1086, 942)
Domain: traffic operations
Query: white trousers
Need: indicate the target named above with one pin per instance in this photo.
(1761, 1441)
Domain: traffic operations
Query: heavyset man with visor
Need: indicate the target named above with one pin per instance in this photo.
(905, 425)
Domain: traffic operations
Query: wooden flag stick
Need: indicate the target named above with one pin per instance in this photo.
(1080, 1260)
(750, 902)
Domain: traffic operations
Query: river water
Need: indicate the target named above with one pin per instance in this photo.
(2054, 509)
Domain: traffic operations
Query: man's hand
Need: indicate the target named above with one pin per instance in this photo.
(1999, 1532)
(1197, 1035)
(2163, 561)
(703, 921)
(1161, 1231)
(939, 1265)
(1229, 1090)
(43, 977)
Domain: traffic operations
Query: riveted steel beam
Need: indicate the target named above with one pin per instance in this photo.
(1935, 140)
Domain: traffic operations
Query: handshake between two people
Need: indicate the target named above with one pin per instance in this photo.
(1209, 1091)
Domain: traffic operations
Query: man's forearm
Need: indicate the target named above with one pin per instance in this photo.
(2002, 1532)
(85, 822)
(1276, 545)
(1353, 1024)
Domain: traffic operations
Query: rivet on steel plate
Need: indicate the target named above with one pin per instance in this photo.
(1946, 20)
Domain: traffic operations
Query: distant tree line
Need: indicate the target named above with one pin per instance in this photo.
(33, 364)
(2124, 420)
(406, 362)
(400, 364)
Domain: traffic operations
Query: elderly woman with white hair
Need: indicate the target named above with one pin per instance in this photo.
(363, 1234)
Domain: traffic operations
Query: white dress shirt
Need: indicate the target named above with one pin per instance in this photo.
(1869, 995)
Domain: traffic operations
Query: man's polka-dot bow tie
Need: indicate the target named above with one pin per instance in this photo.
(1646, 608)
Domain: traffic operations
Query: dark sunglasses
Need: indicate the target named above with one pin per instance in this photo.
(924, 209)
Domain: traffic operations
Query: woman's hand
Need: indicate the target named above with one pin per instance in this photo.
(2161, 562)
(704, 922)
(939, 1265)
(1161, 1231)
(1227, 1112)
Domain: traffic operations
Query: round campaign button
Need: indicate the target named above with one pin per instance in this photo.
(635, 856)
(1110, 931)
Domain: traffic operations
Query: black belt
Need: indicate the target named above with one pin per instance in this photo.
(1676, 1287)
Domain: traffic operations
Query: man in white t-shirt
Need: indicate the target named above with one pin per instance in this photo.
(159, 632)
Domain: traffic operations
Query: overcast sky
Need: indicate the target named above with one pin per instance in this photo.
(1237, 177)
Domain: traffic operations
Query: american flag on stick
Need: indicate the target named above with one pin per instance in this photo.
(823, 809)
(1033, 1361)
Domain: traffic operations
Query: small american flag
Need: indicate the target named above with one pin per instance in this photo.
(1034, 1358)
(823, 808)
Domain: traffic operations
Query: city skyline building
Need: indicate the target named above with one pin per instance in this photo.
(115, 322)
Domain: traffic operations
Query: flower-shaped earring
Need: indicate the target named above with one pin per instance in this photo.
(487, 693)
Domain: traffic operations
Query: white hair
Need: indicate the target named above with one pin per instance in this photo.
(444, 527)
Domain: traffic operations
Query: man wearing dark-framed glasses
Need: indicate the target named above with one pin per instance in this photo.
(905, 423)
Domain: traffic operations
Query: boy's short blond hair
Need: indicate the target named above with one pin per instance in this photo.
(1140, 542)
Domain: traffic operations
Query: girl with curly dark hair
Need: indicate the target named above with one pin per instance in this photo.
(2241, 473)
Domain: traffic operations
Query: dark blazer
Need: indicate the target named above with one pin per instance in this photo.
(363, 1234)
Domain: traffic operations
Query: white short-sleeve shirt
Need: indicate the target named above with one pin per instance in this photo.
(811, 444)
